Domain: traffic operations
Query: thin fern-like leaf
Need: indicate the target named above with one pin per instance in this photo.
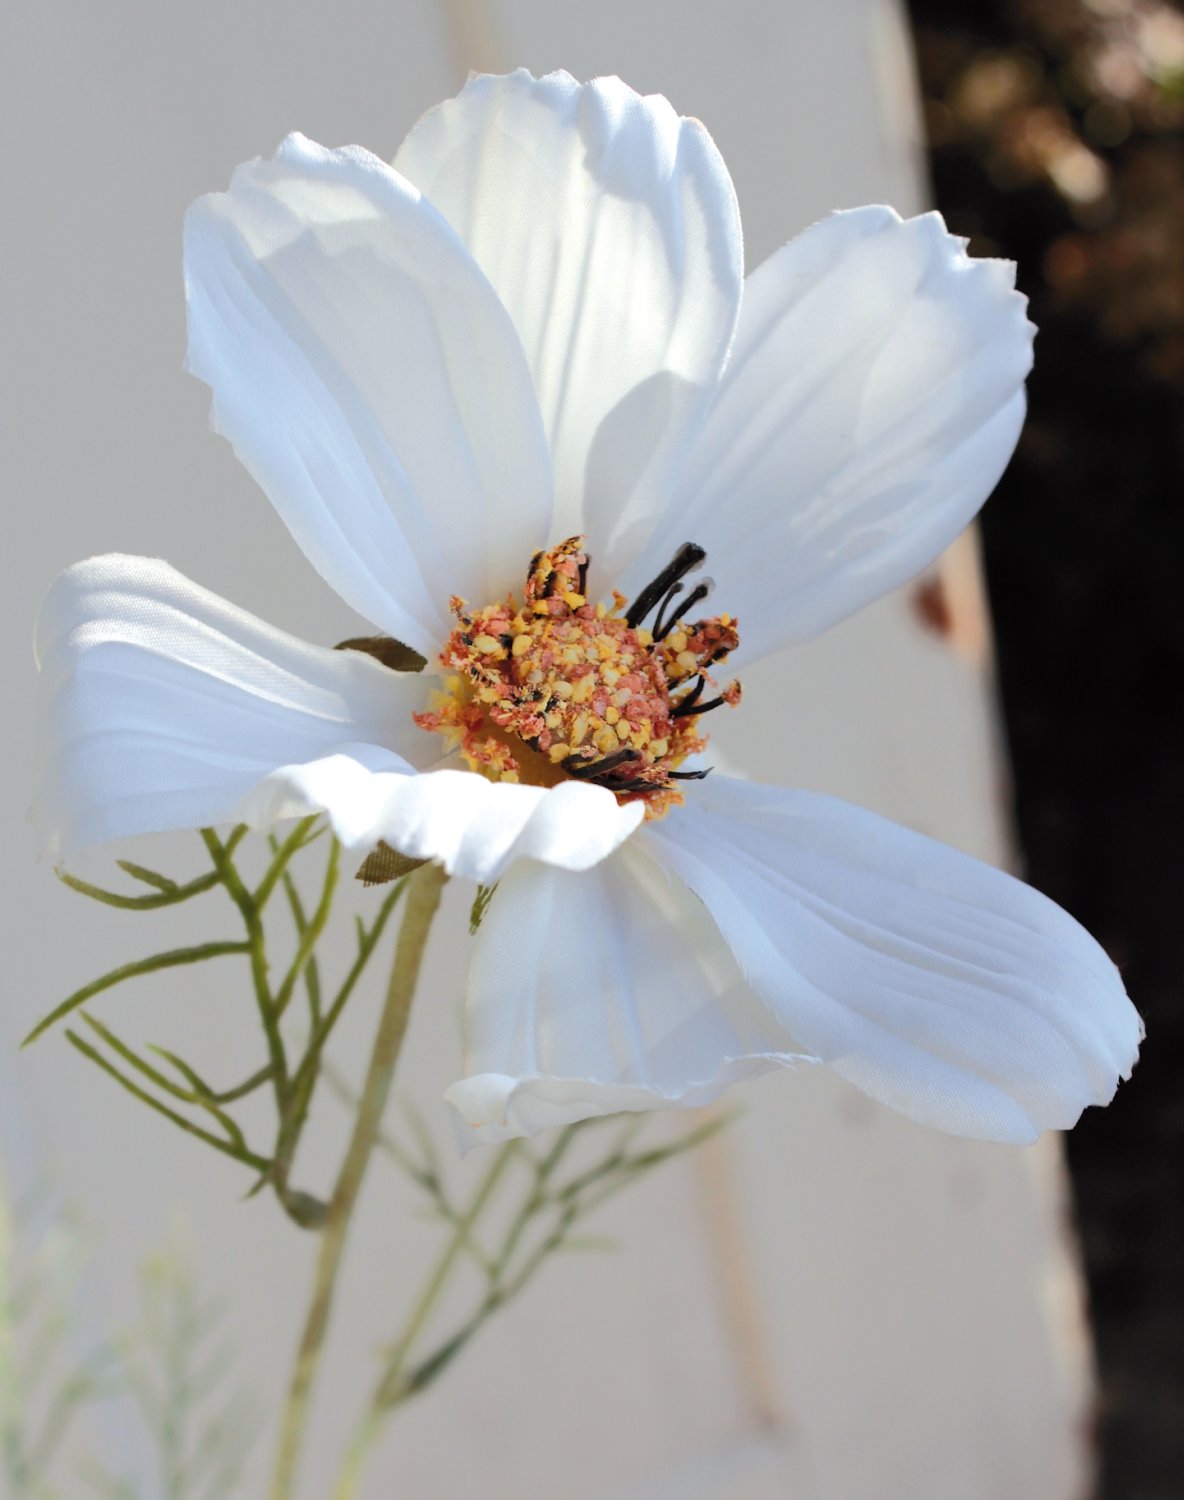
(175, 958)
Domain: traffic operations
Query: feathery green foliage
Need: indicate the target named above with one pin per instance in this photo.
(551, 1197)
(178, 1366)
(170, 1085)
(531, 1202)
(45, 1385)
(175, 1364)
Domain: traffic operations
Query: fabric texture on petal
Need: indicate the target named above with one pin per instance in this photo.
(873, 398)
(596, 993)
(474, 827)
(371, 381)
(609, 227)
(933, 982)
(164, 704)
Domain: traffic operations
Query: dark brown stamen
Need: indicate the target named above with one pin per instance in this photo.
(685, 560)
(705, 708)
(664, 626)
(577, 765)
(659, 632)
(638, 784)
(686, 704)
(718, 655)
(689, 775)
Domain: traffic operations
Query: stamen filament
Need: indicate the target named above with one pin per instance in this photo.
(664, 626)
(638, 784)
(686, 704)
(584, 769)
(688, 557)
(660, 624)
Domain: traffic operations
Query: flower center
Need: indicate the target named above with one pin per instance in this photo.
(556, 687)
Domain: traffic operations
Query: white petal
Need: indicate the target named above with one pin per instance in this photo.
(872, 400)
(475, 828)
(935, 983)
(163, 704)
(369, 378)
(610, 229)
(595, 993)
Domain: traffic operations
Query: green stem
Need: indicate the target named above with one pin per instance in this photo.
(226, 1096)
(305, 1210)
(300, 836)
(385, 1397)
(249, 908)
(535, 1199)
(310, 933)
(424, 889)
(368, 941)
(312, 975)
(426, 1303)
(566, 1203)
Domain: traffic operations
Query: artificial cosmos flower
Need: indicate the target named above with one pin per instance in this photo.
(507, 395)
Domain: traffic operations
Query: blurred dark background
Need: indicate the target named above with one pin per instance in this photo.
(1056, 135)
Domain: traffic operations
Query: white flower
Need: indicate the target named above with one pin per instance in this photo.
(531, 330)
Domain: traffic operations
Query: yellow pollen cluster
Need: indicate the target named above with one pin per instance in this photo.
(556, 687)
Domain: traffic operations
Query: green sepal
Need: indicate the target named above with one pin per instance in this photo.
(480, 906)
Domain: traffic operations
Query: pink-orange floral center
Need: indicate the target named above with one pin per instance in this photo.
(554, 686)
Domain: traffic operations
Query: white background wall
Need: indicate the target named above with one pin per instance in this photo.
(831, 1303)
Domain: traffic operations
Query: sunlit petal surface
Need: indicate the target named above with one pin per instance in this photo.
(609, 227)
(370, 379)
(163, 704)
(872, 400)
(475, 828)
(936, 983)
(602, 992)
